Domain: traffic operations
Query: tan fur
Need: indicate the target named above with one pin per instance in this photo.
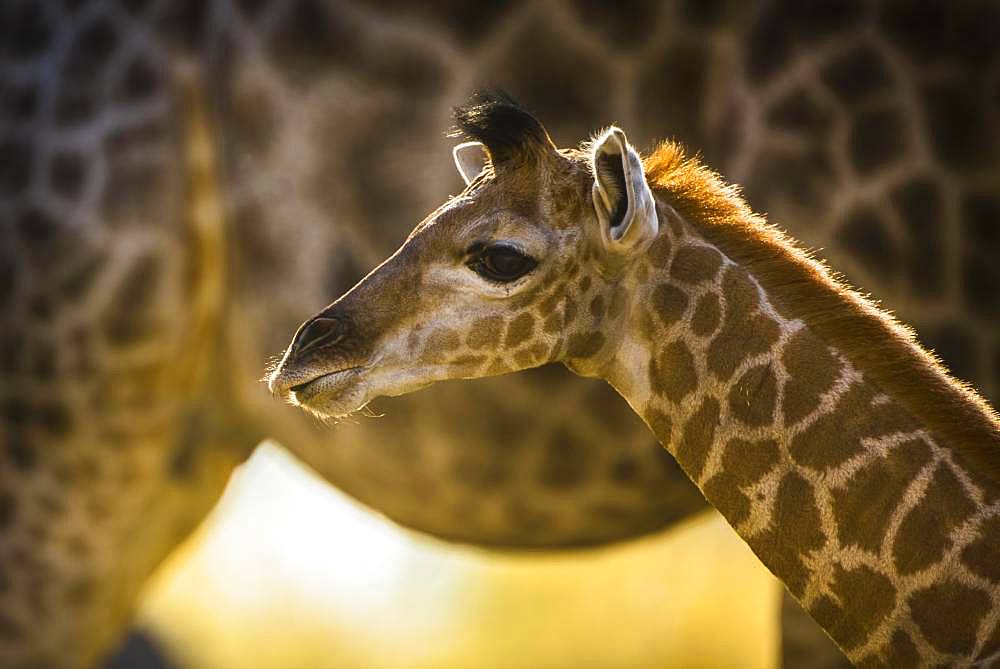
(883, 348)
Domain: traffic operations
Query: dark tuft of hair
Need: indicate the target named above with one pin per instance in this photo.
(506, 129)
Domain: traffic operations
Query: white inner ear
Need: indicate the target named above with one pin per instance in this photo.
(470, 158)
(617, 166)
(608, 191)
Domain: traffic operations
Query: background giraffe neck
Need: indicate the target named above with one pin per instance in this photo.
(842, 492)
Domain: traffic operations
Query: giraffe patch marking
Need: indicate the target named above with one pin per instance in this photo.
(855, 417)
(699, 431)
(925, 532)
(865, 506)
(982, 556)
(899, 652)
(866, 598)
(707, 315)
(585, 345)
(743, 334)
(673, 374)
(795, 529)
(694, 264)
(743, 463)
(485, 332)
(992, 645)
(659, 422)
(669, 302)
(520, 330)
(812, 370)
(753, 397)
(659, 252)
(948, 615)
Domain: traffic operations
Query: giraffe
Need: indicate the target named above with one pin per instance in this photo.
(860, 473)
(101, 105)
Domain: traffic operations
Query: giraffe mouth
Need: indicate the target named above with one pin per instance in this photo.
(324, 384)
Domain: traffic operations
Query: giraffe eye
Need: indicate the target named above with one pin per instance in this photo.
(501, 263)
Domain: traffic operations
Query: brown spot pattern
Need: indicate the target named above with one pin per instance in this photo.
(812, 370)
(673, 374)
(836, 436)
(660, 424)
(743, 463)
(706, 315)
(669, 302)
(485, 332)
(866, 598)
(795, 528)
(585, 345)
(659, 252)
(900, 653)
(699, 431)
(694, 264)
(992, 645)
(743, 334)
(753, 397)
(519, 330)
(982, 556)
(863, 509)
(441, 343)
(948, 615)
(925, 532)
(548, 305)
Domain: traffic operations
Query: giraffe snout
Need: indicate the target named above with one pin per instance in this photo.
(323, 347)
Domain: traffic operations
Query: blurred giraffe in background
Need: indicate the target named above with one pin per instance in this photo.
(867, 129)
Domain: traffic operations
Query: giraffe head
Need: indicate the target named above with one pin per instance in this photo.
(491, 282)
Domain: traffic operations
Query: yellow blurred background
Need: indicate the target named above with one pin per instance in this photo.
(288, 572)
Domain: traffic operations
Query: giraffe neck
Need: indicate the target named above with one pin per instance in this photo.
(880, 528)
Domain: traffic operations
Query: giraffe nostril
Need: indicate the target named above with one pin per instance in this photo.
(320, 331)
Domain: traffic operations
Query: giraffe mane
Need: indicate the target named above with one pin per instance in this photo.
(883, 348)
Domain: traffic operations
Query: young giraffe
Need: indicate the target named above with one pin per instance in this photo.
(857, 469)
(868, 135)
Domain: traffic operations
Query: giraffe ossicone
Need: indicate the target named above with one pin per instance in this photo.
(855, 467)
(469, 160)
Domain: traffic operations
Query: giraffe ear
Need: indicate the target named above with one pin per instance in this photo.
(624, 204)
(470, 158)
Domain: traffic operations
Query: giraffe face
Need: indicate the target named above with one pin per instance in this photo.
(489, 283)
